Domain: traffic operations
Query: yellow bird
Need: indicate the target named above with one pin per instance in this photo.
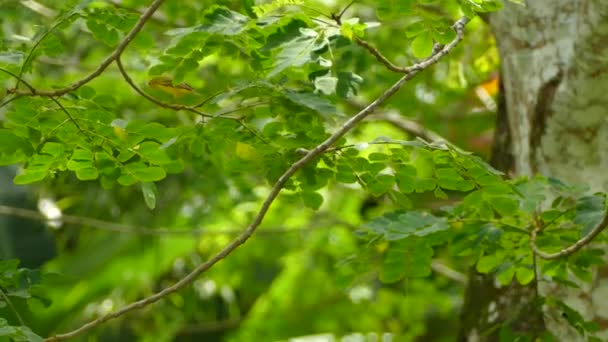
(166, 85)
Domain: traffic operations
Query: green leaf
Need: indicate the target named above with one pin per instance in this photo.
(28, 177)
(448, 178)
(505, 206)
(149, 192)
(140, 172)
(524, 275)
(489, 263)
(422, 45)
(415, 29)
(224, 21)
(102, 32)
(326, 84)
(505, 273)
(312, 101)
(297, 52)
(393, 9)
(380, 184)
(311, 199)
(443, 36)
(397, 226)
(348, 84)
(406, 258)
(590, 211)
(87, 173)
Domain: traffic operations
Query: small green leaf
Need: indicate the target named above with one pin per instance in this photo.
(415, 29)
(406, 258)
(505, 273)
(149, 192)
(590, 211)
(444, 36)
(312, 101)
(326, 84)
(422, 46)
(28, 177)
(87, 173)
(524, 275)
(488, 263)
(311, 199)
(505, 206)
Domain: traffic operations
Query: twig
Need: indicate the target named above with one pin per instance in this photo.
(141, 230)
(379, 56)
(69, 116)
(385, 61)
(18, 78)
(570, 249)
(31, 53)
(274, 192)
(38, 8)
(408, 126)
(104, 64)
(10, 304)
(448, 272)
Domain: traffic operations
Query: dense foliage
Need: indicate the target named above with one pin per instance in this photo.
(360, 221)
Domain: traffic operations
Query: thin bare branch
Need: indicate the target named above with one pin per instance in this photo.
(379, 56)
(448, 272)
(275, 190)
(107, 226)
(104, 64)
(409, 126)
(18, 78)
(31, 53)
(10, 305)
(385, 61)
(585, 240)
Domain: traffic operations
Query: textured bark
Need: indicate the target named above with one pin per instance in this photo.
(554, 56)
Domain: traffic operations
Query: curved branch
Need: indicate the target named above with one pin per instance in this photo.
(275, 190)
(571, 249)
(104, 64)
(379, 56)
(437, 48)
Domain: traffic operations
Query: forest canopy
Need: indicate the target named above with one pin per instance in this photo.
(263, 171)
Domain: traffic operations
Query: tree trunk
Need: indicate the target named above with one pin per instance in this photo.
(554, 121)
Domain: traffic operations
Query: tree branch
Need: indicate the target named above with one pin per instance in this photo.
(448, 272)
(104, 64)
(275, 190)
(10, 305)
(141, 230)
(408, 126)
(571, 249)
(379, 56)
(386, 62)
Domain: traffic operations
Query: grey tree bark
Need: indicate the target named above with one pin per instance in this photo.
(553, 120)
